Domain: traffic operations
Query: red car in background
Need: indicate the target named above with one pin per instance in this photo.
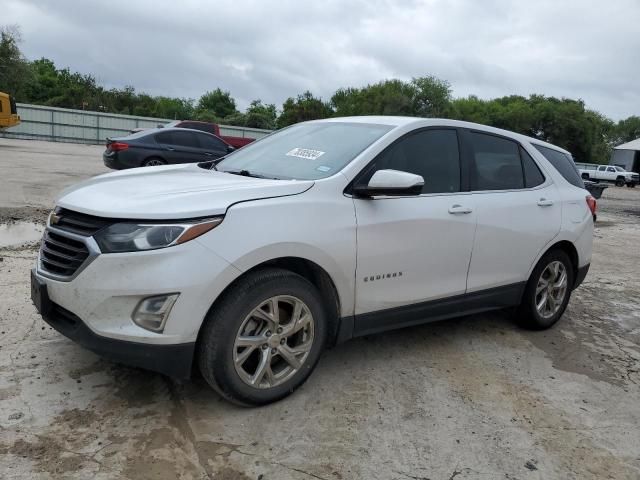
(208, 127)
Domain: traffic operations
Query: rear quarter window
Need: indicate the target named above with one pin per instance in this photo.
(563, 163)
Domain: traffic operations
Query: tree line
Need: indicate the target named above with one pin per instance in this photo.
(566, 122)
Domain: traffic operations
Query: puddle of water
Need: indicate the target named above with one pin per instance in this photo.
(13, 234)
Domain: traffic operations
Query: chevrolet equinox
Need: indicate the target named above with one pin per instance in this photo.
(249, 266)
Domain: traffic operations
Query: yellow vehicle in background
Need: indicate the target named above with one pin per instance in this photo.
(8, 112)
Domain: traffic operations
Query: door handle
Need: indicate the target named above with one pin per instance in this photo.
(543, 202)
(208, 154)
(171, 149)
(459, 209)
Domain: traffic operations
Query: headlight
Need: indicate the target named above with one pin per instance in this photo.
(136, 236)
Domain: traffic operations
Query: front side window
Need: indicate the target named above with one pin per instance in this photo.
(611, 169)
(308, 151)
(564, 164)
(497, 163)
(211, 143)
(432, 154)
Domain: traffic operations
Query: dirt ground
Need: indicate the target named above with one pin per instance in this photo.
(472, 398)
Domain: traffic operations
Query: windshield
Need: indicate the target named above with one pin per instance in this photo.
(307, 151)
(620, 169)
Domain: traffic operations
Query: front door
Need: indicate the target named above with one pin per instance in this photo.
(417, 248)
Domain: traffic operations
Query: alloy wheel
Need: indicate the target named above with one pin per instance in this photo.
(273, 341)
(551, 289)
(154, 163)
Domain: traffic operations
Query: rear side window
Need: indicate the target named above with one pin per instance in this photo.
(563, 163)
(532, 174)
(179, 138)
(497, 163)
(432, 154)
(165, 137)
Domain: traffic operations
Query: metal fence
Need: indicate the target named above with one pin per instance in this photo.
(80, 126)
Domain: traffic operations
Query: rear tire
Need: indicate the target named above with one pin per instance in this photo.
(547, 292)
(252, 356)
(153, 162)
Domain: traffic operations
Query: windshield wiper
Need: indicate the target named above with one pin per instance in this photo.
(247, 173)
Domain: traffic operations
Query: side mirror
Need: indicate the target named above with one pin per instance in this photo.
(230, 149)
(391, 183)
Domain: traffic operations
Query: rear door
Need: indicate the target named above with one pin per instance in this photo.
(180, 146)
(518, 210)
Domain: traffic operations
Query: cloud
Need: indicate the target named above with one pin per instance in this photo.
(272, 50)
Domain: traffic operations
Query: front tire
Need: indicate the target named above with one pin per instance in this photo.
(547, 292)
(263, 338)
(620, 182)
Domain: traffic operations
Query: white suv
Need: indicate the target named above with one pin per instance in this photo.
(321, 232)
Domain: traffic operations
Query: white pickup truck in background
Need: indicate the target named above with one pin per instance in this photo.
(608, 173)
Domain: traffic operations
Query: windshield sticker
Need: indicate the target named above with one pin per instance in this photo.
(305, 153)
(323, 168)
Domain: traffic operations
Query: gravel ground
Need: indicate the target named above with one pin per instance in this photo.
(472, 398)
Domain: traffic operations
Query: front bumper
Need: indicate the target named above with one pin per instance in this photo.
(580, 276)
(172, 360)
(94, 306)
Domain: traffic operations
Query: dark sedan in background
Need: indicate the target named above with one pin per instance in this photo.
(162, 147)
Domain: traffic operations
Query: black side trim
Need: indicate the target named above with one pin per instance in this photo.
(425, 312)
(172, 360)
(582, 273)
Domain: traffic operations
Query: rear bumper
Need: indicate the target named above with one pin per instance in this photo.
(111, 161)
(172, 360)
(580, 276)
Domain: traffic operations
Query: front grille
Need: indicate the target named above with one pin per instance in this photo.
(61, 255)
(79, 223)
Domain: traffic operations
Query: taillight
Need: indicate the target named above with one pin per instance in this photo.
(592, 204)
(118, 146)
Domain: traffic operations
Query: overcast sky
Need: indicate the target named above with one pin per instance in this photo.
(587, 49)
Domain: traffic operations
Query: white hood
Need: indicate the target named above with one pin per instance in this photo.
(171, 192)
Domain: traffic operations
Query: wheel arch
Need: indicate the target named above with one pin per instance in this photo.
(309, 270)
(567, 247)
(152, 156)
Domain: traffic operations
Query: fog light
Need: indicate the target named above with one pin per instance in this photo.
(152, 312)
